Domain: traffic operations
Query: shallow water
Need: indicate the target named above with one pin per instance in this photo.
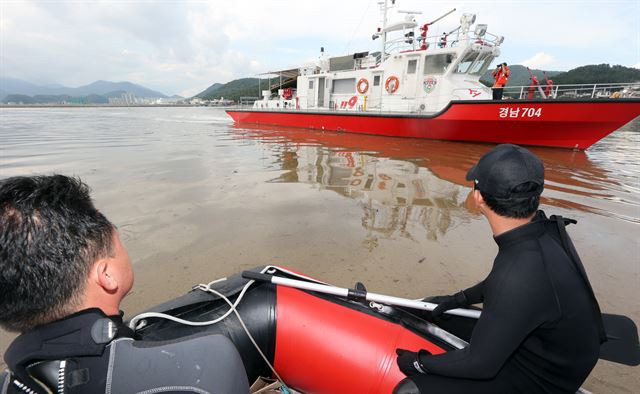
(196, 198)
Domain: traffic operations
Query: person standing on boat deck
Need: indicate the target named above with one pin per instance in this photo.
(501, 75)
(443, 41)
(540, 329)
(63, 273)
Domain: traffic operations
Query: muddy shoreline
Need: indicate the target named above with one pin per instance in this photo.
(197, 199)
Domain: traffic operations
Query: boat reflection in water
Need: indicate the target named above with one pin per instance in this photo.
(399, 181)
(392, 193)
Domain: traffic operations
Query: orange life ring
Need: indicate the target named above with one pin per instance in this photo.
(391, 84)
(361, 89)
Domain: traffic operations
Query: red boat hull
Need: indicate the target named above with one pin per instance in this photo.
(562, 124)
(350, 351)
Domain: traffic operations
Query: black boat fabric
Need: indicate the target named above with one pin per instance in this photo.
(537, 333)
(89, 352)
(257, 309)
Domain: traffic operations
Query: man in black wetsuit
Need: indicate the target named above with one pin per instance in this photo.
(540, 328)
(63, 273)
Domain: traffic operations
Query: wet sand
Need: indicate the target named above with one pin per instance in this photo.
(196, 198)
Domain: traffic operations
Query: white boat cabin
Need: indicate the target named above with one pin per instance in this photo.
(412, 73)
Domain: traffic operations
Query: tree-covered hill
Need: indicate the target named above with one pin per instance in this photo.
(598, 73)
(245, 87)
(210, 91)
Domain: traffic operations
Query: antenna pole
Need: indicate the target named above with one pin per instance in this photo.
(447, 14)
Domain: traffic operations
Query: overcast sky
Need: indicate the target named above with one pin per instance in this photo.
(182, 47)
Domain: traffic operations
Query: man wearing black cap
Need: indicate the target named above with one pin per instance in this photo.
(540, 329)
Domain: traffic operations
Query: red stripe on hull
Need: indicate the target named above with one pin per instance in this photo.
(550, 123)
(326, 348)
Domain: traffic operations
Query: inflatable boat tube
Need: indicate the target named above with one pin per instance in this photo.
(317, 343)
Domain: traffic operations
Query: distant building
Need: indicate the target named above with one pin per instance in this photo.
(129, 98)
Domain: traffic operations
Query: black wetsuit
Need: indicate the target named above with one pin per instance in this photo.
(540, 327)
(89, 352)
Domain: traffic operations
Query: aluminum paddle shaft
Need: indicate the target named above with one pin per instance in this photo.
(355, 294)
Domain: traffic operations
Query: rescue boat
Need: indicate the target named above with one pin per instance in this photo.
(422, 86)
(316, 343)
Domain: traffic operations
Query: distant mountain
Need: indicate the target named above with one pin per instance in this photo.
(244, 87)
(103, 87)
(598, 73)
(16, 86)
(519, 76)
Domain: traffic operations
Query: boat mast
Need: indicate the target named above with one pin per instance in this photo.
(385, 8)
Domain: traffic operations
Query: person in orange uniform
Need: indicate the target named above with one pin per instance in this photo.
(501, 75)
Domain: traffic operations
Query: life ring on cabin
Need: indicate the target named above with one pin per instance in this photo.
(391, 84)
(362, 89)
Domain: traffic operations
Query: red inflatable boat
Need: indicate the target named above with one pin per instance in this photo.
(317, 343)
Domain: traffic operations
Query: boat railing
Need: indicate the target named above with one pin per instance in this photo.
(247, 101)
(573, 91)
(403, 44)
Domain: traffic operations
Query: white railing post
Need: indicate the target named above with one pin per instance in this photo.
(593, 93)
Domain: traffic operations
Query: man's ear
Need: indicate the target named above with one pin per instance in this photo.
(477, 198)
(104, 276)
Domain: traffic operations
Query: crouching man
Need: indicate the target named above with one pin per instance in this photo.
(541, 328)
(63, 274)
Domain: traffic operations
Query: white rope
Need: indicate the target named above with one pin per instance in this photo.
(133, 324)
(246, 330)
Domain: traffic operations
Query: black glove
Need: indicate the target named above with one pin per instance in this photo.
(445, 303)
(409, 362)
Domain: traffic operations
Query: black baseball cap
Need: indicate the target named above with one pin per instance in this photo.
(503, 168)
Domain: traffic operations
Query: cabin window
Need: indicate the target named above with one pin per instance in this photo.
(466, 62)
(344, 86)
(481, 64)
(311, 84)
(376, 80)
(438, 64)
(413, 64)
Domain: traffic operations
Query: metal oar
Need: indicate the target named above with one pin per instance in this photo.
(622, 344)
(354, 294)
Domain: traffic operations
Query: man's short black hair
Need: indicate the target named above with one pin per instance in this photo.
(522, 207)
(50, 236)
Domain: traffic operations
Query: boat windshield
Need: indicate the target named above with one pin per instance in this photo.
(466, 62)
(474, 63)
(481, 64)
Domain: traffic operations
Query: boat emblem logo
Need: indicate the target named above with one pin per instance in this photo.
(474, 92)
(429, 84)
